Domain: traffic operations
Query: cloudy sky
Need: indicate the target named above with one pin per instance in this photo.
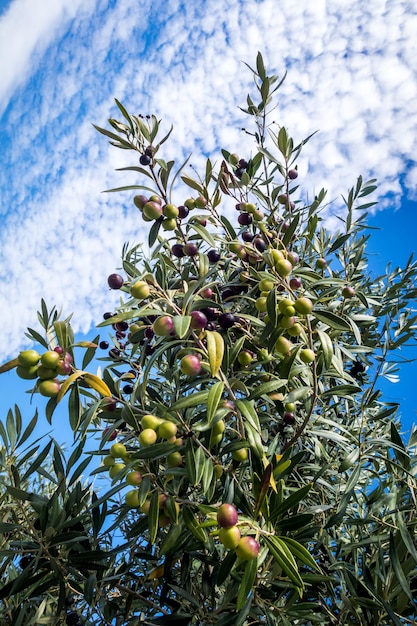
(352, 75)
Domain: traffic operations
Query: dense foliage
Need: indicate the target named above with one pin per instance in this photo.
(244, 371)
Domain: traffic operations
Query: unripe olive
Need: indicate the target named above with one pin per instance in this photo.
(303, 305)
(229, 537)
(307, 355)
(27, 358)
(140, 290)
(147, 437)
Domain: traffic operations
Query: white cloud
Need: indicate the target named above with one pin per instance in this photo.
(351, 74)
(26, 29)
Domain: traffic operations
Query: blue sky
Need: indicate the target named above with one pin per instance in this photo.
(351, 75)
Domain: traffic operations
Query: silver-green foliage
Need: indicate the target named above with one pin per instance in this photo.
(329, 494)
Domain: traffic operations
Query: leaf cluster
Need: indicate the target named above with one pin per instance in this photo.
(278, 411)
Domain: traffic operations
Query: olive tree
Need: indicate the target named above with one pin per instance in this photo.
(235, 461)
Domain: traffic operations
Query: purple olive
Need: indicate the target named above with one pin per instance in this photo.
(213, 255)
(289, 418)
(115, 281)
(295, 283)
(178, 250)
(226, 320)
(211, 313)
(227, 293)
(198, 320)
(190, 249)
(145, 159)
(183, 212)
(245, 219)
(259, 244)
(247, 236)
(293, 257)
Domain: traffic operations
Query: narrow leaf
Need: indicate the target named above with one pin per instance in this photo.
(291, 229)
(268, 387)
(260, 66)
(398, 570)
(214, 397)
(263, 488)
(192, 524)
(29, 429)
(291, 502)
(228, 227)
(225, 567)
(246, 584)
(6, 367)
(61, 333)
(301, 553)
(199, 459)
(11, 428)
(341, 390)
(284, 558)
(97, 384)
(203, 233)
(124, 113)
(153, 233)
(193, 399)
(153, 516)
(190, 182)
(327, 345)
(215, 349)
(332, 320)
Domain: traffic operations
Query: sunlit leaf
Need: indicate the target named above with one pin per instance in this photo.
(6, 367)
(97, 384)
(215, 349)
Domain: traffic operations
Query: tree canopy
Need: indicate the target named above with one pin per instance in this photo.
(234, 460)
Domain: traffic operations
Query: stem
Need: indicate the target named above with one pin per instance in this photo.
(314, 396)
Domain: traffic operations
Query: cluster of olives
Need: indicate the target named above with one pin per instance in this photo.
(45, 368)
(262, 261)
(240, 167)
(148, 328)
(170, 215)
(216, 307)
(246, 547)
(152, 429)
(118, 458)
